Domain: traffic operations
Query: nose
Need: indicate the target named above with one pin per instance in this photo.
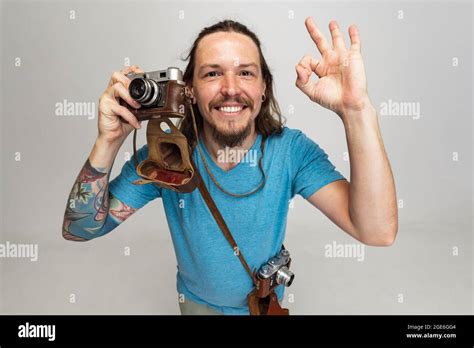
(230, 85)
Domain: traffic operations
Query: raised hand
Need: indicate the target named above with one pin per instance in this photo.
(111, 113)
(341, 85)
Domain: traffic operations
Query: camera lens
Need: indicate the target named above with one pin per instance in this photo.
(284, 276)
(146, 91)
(138, 89)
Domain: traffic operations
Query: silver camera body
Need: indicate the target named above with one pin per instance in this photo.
(149, 88)
(277, 269)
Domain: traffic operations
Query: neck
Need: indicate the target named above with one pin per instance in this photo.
(215, 149)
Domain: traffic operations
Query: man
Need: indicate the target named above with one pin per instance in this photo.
(232, 92)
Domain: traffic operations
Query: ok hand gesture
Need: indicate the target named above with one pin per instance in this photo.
(342, 85)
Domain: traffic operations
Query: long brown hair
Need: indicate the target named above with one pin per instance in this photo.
(269, 120)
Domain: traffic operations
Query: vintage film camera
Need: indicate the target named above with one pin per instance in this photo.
(263, 299)
(162, 96)
(275, 272)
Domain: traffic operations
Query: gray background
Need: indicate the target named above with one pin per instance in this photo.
(407, 59)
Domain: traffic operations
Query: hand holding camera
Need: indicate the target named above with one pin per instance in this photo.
(111, 113)
(161, 95)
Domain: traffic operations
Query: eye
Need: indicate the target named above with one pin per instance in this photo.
(212, 74)
(246, 73)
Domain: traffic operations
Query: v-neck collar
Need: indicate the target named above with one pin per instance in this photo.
(215, 167)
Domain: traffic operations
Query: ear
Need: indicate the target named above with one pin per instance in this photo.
(189, 90)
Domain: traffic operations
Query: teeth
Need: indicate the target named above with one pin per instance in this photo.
(231, 108)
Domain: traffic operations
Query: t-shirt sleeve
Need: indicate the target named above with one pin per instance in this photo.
(311, 167)
(122, 187)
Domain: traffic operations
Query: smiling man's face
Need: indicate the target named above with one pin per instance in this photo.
(228, 86)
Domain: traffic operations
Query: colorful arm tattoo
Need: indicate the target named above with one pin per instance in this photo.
(87, 213)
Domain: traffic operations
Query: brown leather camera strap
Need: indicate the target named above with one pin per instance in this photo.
(257, 306)
(135, 148)
(210, 202)
(220, 220)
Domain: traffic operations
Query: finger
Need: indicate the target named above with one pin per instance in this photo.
(131, 69)
(124, 113)
(337, 39)
(119, 77)
(355, 38)
(118, 90)
(316, 35)
(311, 64)
(303, 77)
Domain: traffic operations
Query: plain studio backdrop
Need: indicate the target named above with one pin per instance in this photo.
(418, 58)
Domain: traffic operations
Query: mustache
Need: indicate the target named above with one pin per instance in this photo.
(238, 99)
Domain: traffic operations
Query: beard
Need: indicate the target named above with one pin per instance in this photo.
(232, 138)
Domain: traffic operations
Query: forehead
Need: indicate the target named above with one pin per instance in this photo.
(223, 47)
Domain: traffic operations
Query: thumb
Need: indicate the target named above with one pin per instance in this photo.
(303, 79)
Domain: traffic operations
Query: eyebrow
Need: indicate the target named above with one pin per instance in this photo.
(215, 66)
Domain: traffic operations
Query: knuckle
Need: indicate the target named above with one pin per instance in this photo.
(302, 60)
(103, 99)
(117, 86)
(115, 76)
(121, 110)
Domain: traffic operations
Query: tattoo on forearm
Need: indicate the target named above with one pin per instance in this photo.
(121, 212)
(87, 205)
(90, 204)
(101, 204)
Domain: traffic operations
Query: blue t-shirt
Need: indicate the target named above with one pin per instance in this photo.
(208, 270)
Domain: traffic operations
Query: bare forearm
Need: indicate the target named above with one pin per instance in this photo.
(103, 154)
(372, 198)
(88, 202)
